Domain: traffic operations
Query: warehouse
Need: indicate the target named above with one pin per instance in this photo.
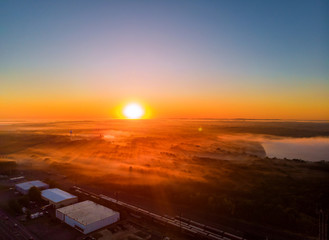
(87, 216)
(58, 198)
(24, 187)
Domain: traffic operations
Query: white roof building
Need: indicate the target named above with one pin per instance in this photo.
(25, 186)
(58, 197)
(87, 216)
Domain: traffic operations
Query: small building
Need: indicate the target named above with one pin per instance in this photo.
(25, 186)
(58, 198)
(16, 179)
(87, 216)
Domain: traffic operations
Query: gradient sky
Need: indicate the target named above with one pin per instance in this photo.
(218, 59)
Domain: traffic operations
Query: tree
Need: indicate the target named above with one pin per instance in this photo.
(34, 194)
(51, 183)
(24, 201)
(28, 214)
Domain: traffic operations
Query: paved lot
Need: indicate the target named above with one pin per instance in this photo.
(11, 229)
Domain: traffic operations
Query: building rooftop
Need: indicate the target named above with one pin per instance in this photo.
(56, 195)
(87, 212)
(28, 185)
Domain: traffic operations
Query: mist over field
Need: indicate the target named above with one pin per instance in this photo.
(309, 149)
(224, 170)
(157, 149)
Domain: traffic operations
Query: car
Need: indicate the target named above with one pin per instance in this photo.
(15, 225)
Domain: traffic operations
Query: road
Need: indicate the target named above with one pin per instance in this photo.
(11, 229)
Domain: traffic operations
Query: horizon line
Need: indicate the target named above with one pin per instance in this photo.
(170, 118)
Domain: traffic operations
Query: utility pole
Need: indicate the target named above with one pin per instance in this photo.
(323, 225)
(326, 225)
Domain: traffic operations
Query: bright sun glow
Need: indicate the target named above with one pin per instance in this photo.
(133, 111)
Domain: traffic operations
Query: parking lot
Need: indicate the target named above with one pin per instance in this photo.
(10, 228)
(16, 226)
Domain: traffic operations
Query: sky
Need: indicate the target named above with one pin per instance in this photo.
(179, 59)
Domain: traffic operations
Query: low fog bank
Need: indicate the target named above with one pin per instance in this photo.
(309, 149)
(305, 148)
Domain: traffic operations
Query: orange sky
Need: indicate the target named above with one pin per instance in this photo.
(262, 101)
(208, 59)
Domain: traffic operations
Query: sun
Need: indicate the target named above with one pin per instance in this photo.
(133, 111)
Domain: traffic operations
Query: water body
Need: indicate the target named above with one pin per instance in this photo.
(309, 149)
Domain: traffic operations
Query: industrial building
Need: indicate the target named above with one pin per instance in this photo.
(25, 186)
(58, 198)
(87, 216)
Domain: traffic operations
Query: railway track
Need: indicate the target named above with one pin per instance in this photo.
(195, 229)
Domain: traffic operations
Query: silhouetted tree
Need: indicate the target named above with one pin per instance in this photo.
(28, 214)
(51, 183)
(24, 201)
(34, 194)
